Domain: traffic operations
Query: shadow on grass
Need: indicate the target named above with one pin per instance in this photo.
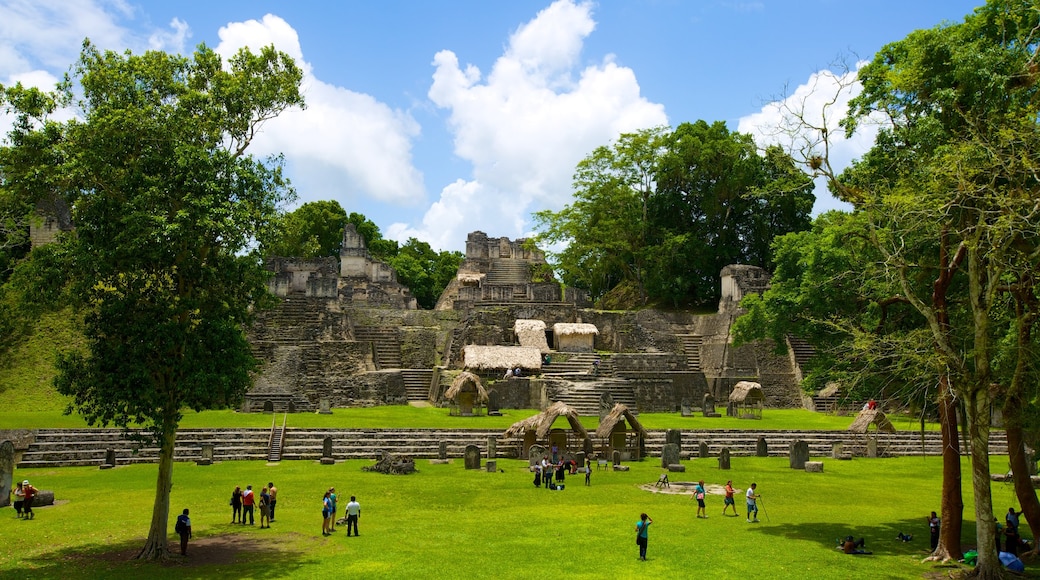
(219, 556)
(880, 539)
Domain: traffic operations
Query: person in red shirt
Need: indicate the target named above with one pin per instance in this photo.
(30, 494)
(248, 500)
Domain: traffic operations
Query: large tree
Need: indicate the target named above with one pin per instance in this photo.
(313, 230)
(170, 217)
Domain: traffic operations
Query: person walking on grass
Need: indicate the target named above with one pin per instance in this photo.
(19, 499)
(183, 529)
(326, 509)
(933, 530)
(333, 500)
(273, 492)
(265, 508)
(752, 503)
(698, 494)
(248, 500)
(30, 495)
(353, 515)
(729, 501)
(236, 505)
(641, 534)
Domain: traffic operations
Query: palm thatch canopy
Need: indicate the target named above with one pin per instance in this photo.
(501, 357)
(868, 416)
(466, 378)
(531, 333)
(571, 329)
(543, 422)
(747, 393)
(620, 412)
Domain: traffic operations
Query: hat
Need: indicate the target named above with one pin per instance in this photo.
(26, 482)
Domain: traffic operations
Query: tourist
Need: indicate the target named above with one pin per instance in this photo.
(516, 372)
(933, 530)
(588, 471)
(353, 515)
(1011, 531)
(641, 536)
(698, 494)
(851, 546)
(555, 453)
(183, 529)
(509, 374)
(247, 504)
(273, 491)
(236, 505)
(752, 503)
(265, 508)
(326, 509)
(538, 475)
(332, 510)
(561, 472)
(546, 471)
(30, 494)
(729, 501)
(19, 499)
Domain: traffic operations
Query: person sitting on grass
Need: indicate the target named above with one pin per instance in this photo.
(853, 546)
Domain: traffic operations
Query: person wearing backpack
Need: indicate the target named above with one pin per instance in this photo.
(183, 529)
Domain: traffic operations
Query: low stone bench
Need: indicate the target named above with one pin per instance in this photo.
(814, 466)
(677, 467)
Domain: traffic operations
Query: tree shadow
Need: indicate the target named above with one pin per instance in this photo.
(880, 538)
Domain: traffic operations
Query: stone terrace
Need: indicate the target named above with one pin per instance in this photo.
(86, 447)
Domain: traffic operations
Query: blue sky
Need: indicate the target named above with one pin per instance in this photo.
(435, 119)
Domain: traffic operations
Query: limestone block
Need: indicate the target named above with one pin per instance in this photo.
(814, 466)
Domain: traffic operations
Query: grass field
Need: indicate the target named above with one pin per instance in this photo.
(447, 522)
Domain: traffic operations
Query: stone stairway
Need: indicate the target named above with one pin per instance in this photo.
(577, 363)
(585, 397)
(692, 348)
(296, 319)
(417, 383)
(803, 351)
(274, 453)
(507, 271)
(386, 350)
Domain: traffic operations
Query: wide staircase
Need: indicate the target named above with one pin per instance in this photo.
(803, 351)
(507, 271)
(296, 319)
(386, 350)
(417, 383)
(692, 348)
(585, 397)
(578, 363)
(86, 447)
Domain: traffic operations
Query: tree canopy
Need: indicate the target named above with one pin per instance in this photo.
(171, 217)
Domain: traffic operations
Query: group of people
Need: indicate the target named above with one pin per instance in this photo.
(243, 503)
(751, 496)
(24, 494)
(546, 471)
(328, 513)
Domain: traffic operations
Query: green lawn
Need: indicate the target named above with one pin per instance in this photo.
(447, 522)
(435, 418)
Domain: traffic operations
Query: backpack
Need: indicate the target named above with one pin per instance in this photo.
(180, 528)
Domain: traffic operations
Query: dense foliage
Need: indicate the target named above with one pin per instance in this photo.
(659, 213)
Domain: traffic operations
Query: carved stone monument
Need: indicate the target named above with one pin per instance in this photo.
(761, 448)
(669, 454)
(494, 404)
(709, 406)
(674, 436)
(534, 454)
(442, 450)
(326, 452)
(872, 448)
(724, 458)
(472, 456)
(685, 409)
(206, 456)
(6, 472)
(492, 466)
(324, 407)
(799, 454)
(110, 459)
(702, 451)
(492, 446)
(814, 466)
(616, 459)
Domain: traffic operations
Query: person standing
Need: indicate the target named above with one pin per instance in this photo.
(729, 499)
(265, 508)
(752, 503)
(547, 471)
(273, 491)
(1011, 532)
(326, 509)
(248, 499)
(332, 510)
(30, 493)
(19, 499)
(183, 529)
(353, 515)
(933, 530)
(588, 471)
(236, 505)
(555, 453)
(641, 534)
(698, 494)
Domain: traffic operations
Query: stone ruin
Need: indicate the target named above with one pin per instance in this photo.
(392, 465)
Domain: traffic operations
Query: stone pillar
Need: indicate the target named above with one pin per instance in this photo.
(472, 456)
(6, 472)
(442, 450)
(837, 450)
(724, 458)
(324, 407)
(674, 436)
(669, 454)
(492, 466)
(110, 459)
(872, 447)
(492, 447)
(326, 452)
(703, 450)
(799, 454)
(206, 456)
(616, 457)
(761, 448)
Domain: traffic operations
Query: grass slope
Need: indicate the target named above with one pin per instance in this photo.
(447, 522)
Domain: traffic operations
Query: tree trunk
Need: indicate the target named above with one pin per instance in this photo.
(1023, 484)
(952, 506)
(988, 565)
(157, 547)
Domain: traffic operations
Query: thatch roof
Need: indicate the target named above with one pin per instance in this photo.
(868, 416)
(531, 333)
(747, 392)
(501, 357)
(470, 277)
(466, 378)
(543, 422)
(570, 329)
(829, 390)
(620, 412)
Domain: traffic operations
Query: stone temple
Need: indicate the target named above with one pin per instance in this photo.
(347, 334)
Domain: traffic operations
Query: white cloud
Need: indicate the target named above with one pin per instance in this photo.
(359, 143)
(173, 40)
(527, 125)
(822, 101)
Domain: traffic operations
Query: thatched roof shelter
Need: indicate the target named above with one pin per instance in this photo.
(868, 416)
(574, 329)
(501, 357)
(619, 413)
(465, 379)
(543, 422)
(531, 333)
(747, 393)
